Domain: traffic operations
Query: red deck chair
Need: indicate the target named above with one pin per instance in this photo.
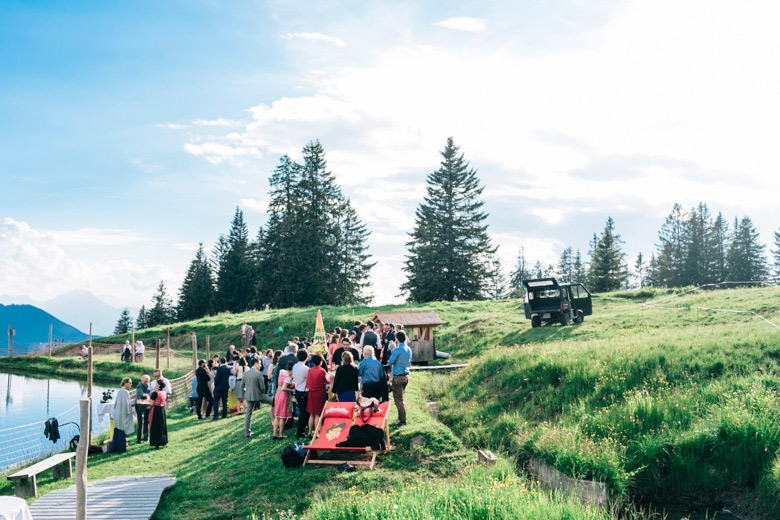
(333, 428)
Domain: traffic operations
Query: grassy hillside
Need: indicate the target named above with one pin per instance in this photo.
(652, 401)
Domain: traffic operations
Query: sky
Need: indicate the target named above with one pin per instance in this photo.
(130, 132)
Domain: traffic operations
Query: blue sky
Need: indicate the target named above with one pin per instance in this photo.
(131, 131)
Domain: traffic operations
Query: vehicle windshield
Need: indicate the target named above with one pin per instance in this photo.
(549, 293)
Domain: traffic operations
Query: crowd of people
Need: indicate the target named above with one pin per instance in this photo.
(370, 360)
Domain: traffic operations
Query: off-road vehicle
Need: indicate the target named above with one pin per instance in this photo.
(546, 300)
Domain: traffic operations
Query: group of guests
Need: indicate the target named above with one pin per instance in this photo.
(127, 351)
(149, 401)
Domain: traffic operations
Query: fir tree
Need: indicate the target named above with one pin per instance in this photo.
(698, 259)
(565, 270)
(124, 324)
(672, 251)
(652, 269)
(352, 259)
(196, 295)
(608, 270)
(579, 272)
(141, 321)
(450, 247)
(719, 236)
(162, 311)
(496, 288)
(234, 282)
(640, 271)
(519, 274)
(538, 270)
(776, 257)
(746, 261)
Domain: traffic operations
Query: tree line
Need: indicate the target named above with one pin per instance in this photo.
(313, 250)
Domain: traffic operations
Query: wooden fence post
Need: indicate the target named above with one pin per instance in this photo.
(10, 341)
(81, 459)
(208, 348)
(168, 348)
(132, 341)
(157, 361)
(194, 352)
(50, 328)
(89, 386)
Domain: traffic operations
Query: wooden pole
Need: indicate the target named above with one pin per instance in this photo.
(157, 362)
(89, 385)
(50, 329)
(132, 341)
(81, 459)
(194, 352)
(10, 341)
(168, 348)
(208, 348)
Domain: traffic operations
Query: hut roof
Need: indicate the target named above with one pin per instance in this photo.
(410, 318)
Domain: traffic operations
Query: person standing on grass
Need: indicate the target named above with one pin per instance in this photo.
(160, 383)
(316, 381)
(255, 393)
(123, 418)
(400, 360)
(204, 392)
(345, 382)
(142, 392)
(238, 390)
(221, 388)
(299, 372)
(282, 401)
(372, 375)
(268, 363)
(158, 424)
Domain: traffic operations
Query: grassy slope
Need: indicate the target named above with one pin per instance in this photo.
(661, 402)
(221, 474)
(104, 370)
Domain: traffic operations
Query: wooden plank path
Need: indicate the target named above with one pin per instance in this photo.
(114, 498)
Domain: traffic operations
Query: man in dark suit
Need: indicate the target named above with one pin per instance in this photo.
(346, 346)
(221, 388)
(255, 393)
(142, 410)
(202, 387)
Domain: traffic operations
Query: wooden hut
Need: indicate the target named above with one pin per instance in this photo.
(418, 326)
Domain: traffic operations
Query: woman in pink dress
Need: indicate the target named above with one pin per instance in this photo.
(282, 401)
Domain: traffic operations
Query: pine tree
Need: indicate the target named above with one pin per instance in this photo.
(497, 285)
(776, 257)
(519, 274)
(197, 294)
(652, 269)
(162, 311)
(564, 272)
(640, 271)
(746, 260)
(450, 247)
(719, 236)
(538, 270)
(672, 252)
(141, 321)
(234, 284)
(698, 260)
(579, 272)
(352, 258)
(124, 324)
(608, 271)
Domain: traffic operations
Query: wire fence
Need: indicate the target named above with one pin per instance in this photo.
(22, 444)
(653, 303)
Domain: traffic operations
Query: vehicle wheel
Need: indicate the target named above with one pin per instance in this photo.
(564, 318)
(536, 321)
(579, 317)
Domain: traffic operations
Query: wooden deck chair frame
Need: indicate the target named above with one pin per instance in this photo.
(370, 464)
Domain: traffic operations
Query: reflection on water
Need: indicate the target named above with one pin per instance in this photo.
(29, 402)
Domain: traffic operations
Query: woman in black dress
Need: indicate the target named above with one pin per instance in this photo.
(345, 384)
(158, 426)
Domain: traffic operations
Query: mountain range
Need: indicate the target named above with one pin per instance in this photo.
(77, 308)
(32, 326)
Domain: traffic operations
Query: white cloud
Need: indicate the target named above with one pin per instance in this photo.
(91, 237)
(259, 205)
(315, 36)
(463, 23)
(216, 153)
(42, 264)
(216, 122)
(173, 126)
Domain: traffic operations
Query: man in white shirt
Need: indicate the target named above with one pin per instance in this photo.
(156, 387)
(299, 373)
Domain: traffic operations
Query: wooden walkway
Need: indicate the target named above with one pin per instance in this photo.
(115, 498)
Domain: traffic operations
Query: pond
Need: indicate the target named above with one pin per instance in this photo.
(26, 402)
